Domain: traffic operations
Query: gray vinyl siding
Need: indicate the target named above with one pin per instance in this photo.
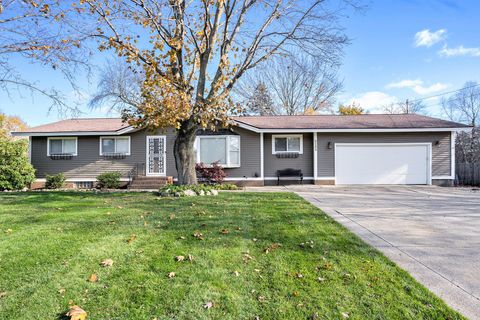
(249, 155)
(88, 163)
(303, 162)
(440, 153)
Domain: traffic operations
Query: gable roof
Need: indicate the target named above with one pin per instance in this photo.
(115, 126)
(81, 126)
(364, 121)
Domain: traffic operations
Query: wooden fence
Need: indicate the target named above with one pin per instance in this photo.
(468, 174)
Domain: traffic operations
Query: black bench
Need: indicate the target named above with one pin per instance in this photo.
(289, 173)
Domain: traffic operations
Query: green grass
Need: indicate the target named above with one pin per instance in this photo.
(58, 239)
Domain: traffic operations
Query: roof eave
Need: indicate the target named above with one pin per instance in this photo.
(74, 133)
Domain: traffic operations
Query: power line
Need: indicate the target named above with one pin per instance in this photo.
(442, 94)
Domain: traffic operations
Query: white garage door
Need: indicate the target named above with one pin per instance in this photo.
(382, 163)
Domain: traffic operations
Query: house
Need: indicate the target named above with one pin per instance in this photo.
(328, 149)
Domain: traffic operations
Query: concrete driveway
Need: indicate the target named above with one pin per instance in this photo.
(432, 232)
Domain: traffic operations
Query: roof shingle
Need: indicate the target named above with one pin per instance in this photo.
(366, 121)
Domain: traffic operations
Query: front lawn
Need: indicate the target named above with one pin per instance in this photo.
(265, 255)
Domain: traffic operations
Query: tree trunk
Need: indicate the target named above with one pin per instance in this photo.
(184, 153)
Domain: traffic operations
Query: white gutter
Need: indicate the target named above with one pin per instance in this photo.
(74, 133)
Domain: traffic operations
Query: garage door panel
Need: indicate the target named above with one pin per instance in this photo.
(381, 164)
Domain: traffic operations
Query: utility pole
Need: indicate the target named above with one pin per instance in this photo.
(407, 107)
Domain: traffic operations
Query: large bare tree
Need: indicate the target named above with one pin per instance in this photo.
(190, 54)
(27, 35)
(464, 106)
(297, 83)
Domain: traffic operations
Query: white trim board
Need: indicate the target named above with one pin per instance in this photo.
(80, 180)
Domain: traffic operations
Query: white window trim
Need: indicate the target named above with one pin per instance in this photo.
(225, 165)
(62, 138)
(287, 136)
(114, 137)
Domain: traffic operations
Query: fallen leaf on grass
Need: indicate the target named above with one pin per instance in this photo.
(171, 274)
(198, 235)
(3, 294)
(179, 258)
(119, 207)
(295, 293)
(299, 275)
(61, 291)
(247, 257)
(108, 213)
(190, 257)
(320, 279)
(208, 305)
(76, 313)
(236, 273)
(106, 263)
(181, 238)
(345, 315)
(8, 231)
(261, 299)
(224, 231)
(272, 247)
(238, 228)
(93, 278)
(132, 238)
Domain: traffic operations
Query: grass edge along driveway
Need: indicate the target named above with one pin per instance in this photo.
(245, 255)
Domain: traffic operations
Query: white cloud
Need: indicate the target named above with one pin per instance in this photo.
(427, 38)
(417, 86)
(373, 101)
(459, 52)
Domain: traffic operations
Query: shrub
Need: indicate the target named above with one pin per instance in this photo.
(55, 181)
(109, 180)
(213, 173)
(16, 172)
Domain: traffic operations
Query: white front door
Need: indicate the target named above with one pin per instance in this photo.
(378, 163)
(156, 156)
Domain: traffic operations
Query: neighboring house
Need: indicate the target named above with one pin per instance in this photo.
(328, 149)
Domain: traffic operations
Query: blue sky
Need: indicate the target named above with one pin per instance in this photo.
(400, 49)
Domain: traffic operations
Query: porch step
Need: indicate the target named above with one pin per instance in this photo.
(144, 182)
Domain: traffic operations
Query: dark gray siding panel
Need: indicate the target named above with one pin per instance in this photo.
(88, 164)
(440, 153)
(303, 162)
(249, 155)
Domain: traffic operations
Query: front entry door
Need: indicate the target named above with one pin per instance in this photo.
(156, 156)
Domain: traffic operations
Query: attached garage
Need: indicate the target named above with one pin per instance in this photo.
(380, 163)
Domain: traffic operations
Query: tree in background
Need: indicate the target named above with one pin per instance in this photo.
(464, 106)
(16, 172)
(260, 102)
(297, 84)
(190, 55)
(350, 110)
(9, 124)
(413, 107)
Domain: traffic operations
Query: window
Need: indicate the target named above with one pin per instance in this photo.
(62, 146)
(114, 145)
(224, 149)
(287, 143)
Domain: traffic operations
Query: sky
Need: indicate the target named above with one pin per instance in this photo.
(400, 49)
